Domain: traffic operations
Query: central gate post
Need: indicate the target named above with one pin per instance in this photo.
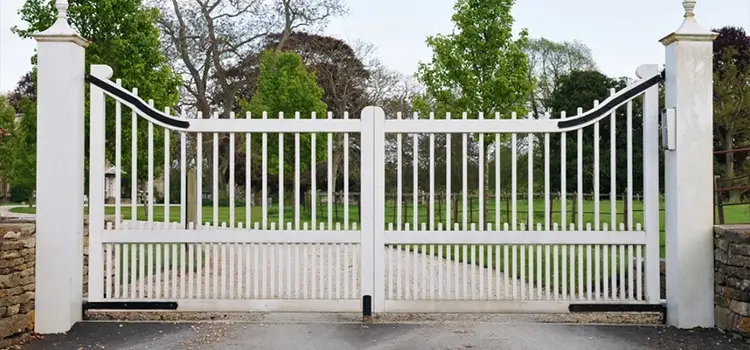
(372, 214)
(689, 174)
(59, 174)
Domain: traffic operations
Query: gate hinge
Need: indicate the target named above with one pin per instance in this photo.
(668, 120)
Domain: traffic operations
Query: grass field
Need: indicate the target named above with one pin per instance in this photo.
(733, 214)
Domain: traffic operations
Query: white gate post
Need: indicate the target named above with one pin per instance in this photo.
(372, 211)
(60, 175)
(689, 173)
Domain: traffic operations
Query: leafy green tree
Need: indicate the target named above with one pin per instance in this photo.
(7, 131)
(285, 85)
(731, 103)
(480, 67)
(581, 89)
(23, 175)
(123, 35)
(548, 61)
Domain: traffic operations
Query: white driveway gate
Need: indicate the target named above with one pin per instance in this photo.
(286, 254)
(368, 248)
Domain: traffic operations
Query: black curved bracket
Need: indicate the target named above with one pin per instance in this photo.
(603, 109)
(138, 104)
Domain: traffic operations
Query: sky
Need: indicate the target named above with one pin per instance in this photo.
(621, 34)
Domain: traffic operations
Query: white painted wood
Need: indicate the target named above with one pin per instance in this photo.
(689, 220)
(277, 253)
(563, 185)
(232, 151)
(219, 235)
(415, 179)
(96, 185)
(281, 177)
(330, 201)
(372, 248)
(150, 178)
(264, 185)
(183, 175)
(165, 175)
(199, 174)
(530, 180)
(521, 236)
(448, 165)
(215, 175)
(629, 137)
(313, 176)
(248, 178)
(134, 162)
(346, 176)
(118, 163)
(613, 164)
(579, 175)
(597, 194)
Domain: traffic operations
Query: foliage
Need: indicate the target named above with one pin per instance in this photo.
(286, 86)
(7, 132)
(23, 179)
(731, 98)
(581, 89)
(480, 67)
(123, 35)
(26, 87)
(548, 61)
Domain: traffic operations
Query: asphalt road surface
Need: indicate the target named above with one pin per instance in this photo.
(466, 334)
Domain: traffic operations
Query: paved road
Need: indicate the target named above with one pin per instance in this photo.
(5, 212)
(351, 335)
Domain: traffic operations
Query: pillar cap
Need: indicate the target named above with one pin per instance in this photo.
(61, 31)
(690, 30)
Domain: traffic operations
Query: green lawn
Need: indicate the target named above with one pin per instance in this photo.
(733, 214)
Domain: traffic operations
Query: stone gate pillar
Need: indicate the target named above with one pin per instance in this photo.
(689, 174)
(59, 174)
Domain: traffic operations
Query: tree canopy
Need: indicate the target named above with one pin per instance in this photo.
(285, 86)
(479, 67)
(731, 98)
(123, 35)
(579, 89)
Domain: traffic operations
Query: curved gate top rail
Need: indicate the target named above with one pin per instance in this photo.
(649, 75)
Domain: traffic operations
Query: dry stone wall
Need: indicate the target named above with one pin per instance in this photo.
(732, 278)
(17, 267)
(17, 278)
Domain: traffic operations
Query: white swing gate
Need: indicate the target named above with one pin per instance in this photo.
(243, 262)
(430, 261)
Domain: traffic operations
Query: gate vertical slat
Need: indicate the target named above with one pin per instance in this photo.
(96, 185)
(651, 192)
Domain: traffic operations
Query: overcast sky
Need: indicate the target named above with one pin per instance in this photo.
(622, 34)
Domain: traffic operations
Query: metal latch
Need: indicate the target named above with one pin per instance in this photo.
(668, 120)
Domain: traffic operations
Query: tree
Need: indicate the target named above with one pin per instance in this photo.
(7, 132)
(26, 87)
(23, 174)
(731, 98)
(285, 86)
(550, 60)
(123, 35)
(480, 68)
(215, 45)
(581, 89)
